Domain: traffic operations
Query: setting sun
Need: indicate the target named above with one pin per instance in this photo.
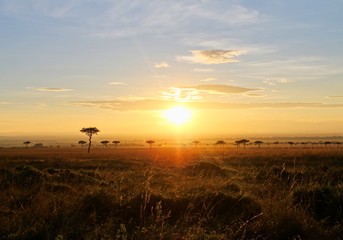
(178, 115)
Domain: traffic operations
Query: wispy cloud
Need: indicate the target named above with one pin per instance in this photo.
(181, 94)
(276, 81)
(219, 88)
(117, 83)
(122, 18)
(203, 70)
(41, 105)
(210, 79)
(4, 103)
(193, 93)
(50, 89)
(161, 65)
(301, 68)
(212, 56)
(156, 104)
(254, 95)
(336, 96)
(113, 33)
(48, 8)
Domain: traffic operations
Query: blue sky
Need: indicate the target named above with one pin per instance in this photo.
(98, 62)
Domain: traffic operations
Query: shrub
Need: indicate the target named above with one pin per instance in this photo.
(26, 176)
(321, 202)
(205, 169)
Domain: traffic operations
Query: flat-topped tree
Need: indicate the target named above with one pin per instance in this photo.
(245, 141)
(81, 142)
(327, 143)
(150, 142)
(116, 142)
(89, 132)
(105, 142)
(220, 143)
(26, 143)
(242, 141)
(196, 142)
(258, 143)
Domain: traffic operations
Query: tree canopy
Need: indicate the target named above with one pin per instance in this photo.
(89, 132)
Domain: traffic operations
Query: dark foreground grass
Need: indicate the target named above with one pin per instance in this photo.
(171, 194)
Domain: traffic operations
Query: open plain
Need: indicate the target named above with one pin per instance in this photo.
(171, 193)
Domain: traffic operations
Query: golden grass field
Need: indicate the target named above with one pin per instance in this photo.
(171, 193)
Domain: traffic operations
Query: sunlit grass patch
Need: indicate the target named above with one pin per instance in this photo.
(171, 194)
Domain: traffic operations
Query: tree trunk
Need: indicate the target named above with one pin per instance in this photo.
(90, 143)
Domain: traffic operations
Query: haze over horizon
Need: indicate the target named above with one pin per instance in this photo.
(186, 68)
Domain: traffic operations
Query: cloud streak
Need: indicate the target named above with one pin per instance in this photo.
(181, 94)
(4, 103)
(209, 57)
(210, 79)
(161, 65)
(50, 89)
(221, 89)
(274, 82)
(156, 104)
(203, 70)
(117, 83)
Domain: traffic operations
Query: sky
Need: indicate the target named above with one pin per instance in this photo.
(236, 66)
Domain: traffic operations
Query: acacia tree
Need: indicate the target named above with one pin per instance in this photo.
(150, 142)
(220, 143)
(26, 143)
(291, 143)
(81, 142)
(196, 142)
(258, 143)
(105, 142)
(116, 142)
(89, 132)
(327, 143)
(242, 141)
(238, 144)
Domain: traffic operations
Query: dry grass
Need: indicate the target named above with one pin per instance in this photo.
(171, 193)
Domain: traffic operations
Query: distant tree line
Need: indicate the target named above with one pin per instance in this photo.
(91, 131)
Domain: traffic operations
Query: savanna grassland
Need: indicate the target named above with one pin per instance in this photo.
(171, 193)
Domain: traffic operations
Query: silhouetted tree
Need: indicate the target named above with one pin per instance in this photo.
(82, 142)
(220, 143)
(116, 142)
(242, 141)
(196, 142)
(89, 132)
(150, 142)
(26, 143)
(105, 142)
(304, 144)
(258, 143)
(291, 143)
(326, 143)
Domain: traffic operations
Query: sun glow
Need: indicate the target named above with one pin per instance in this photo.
(178, 115)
